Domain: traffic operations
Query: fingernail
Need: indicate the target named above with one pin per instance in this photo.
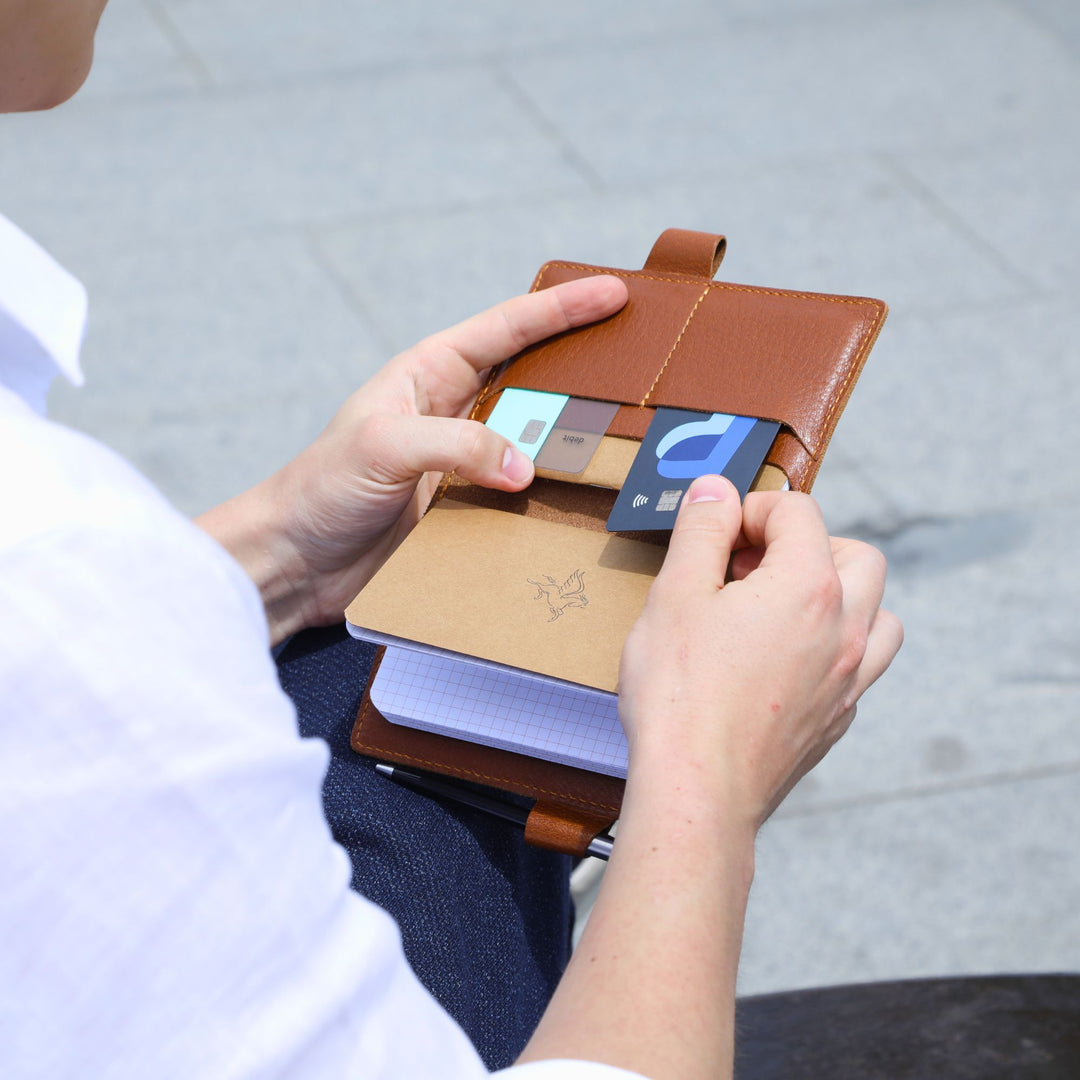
(515, 465)
(708, 489)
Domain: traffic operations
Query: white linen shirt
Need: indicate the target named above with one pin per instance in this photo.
(172, 903)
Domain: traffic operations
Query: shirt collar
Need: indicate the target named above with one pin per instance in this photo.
(42, 318)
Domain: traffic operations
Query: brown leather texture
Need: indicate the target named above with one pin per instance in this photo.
(686, 251)
(548, 826)
(682, 341)
(685, 341)
(578, 796)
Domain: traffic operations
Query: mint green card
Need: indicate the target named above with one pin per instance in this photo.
(526, 417)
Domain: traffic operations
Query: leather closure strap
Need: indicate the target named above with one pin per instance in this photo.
(560, 828)
(684, 251)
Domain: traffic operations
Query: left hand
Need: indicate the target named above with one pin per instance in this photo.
(313, 534)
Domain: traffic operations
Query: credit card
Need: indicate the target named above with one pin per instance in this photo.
(576, 434)
(679, 446)
(526, 417)
(557, 432)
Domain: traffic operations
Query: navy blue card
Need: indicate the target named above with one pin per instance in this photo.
(679, 446)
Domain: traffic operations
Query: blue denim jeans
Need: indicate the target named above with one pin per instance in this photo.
(485, 918)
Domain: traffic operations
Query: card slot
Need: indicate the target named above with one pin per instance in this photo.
(607, 468)
(579, 505)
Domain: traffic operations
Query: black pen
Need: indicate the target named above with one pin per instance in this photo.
(600, 845)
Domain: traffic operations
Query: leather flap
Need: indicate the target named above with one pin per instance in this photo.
(684, 341)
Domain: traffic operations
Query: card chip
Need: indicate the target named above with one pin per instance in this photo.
(532, 431)
(669, 500)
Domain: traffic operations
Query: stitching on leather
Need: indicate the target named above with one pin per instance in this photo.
(561, 795)
(798, 295)
(856, 365)
(693, 311)
(823, 297)
(838, 399)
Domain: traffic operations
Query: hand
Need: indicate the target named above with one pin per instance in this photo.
(748, 684)
(313, 534)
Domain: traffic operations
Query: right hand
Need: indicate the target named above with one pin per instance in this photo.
(741, 688)
(728, 693)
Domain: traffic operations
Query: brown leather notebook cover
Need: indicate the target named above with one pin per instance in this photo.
(684, 341)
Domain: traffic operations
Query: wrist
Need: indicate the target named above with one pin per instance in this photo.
(660, 951)
(692, 787)
(252, 529)
(696, 811)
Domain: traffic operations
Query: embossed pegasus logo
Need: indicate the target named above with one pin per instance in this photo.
(570, 594)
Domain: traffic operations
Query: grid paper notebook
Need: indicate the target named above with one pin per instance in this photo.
(479, 701)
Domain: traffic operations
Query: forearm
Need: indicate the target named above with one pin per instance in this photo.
(249, 528)
(651, 986)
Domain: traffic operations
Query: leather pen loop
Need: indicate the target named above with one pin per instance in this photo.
(562, 829)
(684, 251)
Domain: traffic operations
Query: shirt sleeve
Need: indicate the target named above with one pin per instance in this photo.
(565, 1069)
(175, 904)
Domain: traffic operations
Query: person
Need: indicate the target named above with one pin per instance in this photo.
(173, 903)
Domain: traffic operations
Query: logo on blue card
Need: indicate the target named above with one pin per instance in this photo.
(680, 445)
(700, 447)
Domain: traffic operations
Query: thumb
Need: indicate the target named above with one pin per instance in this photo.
(402, 448)
(705, 532)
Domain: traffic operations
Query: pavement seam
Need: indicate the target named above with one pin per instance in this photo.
(570, 153)
(944, 210)
(347, 291)
(187, 52)
(931, 790)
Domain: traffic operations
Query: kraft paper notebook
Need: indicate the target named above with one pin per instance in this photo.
(502, 616)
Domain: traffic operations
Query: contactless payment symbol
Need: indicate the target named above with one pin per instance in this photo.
(682, 445)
